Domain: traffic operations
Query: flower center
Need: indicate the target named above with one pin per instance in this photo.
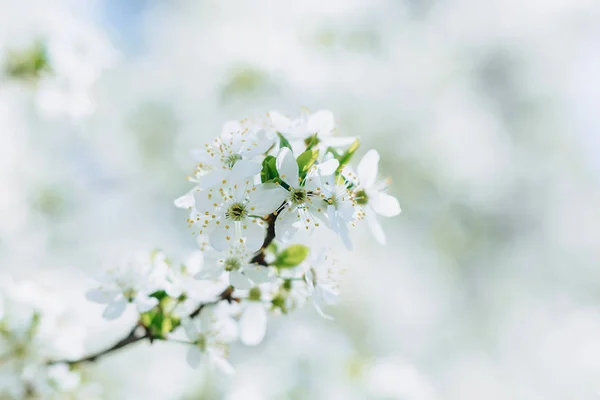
(254, 294)
(201, 342)
(130, 294)
(232, 159)
(237, 212)
(232, 264)
(299, 196)
(361, 197)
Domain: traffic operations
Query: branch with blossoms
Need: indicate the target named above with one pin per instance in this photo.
(260, 190)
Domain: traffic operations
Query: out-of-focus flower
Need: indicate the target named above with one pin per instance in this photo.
(210, 335)
(131, 282)
(323, 277)
(316, 129)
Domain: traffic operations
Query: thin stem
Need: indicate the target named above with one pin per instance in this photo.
(134, 336)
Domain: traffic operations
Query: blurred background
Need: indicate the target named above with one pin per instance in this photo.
(486, 115)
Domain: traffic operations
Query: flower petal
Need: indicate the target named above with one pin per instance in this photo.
(284, 225)
(322, 123)
(221, 363)
(287, 166)
(384, 204)
(145, 303)
(253, 324)
(258, 273)
(267, 198)
(115, 309)
(375, 226)
(280, 122)
(239, 280)
(194, 356)
(101, 296)
(218, 237)
(185, 201)
(254, 234)
(367, 168)
(328, 167)
(244, 169)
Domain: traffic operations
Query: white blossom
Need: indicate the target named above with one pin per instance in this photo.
(133, 281)
(238, 145)
(253, 318)
(372, 195)
(323, 277)
(237, 263)
(232, 213)
(303, 204)
(341, 208)
(210, 334)
(318, 128)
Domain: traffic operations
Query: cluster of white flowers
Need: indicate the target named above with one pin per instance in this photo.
(260, 191)
(256, 186)
(35, 330)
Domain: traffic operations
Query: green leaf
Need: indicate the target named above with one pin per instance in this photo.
(344, 159)
(311, 141)
(269, 170)
(306, 160)
(291, 256)
(283, 142)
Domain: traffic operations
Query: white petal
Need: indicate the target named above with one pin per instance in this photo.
(287, 166)
(221, 363)
(254, 234)
(202, 156)
(267, 198)
(208, 272)
(258, 273)
(328, 167)
(384, 204)
(230, 127)
(189, 326)
(101, 296)
(194, 356)
(115, 309)
(284, 225)
(185, 201)
(244, 169)
(253, 324)
(213, 178)
(321, 122)
(367, 168)
(327, 295)
(145, 303)
(319, 307)
(339, 141)
(374, 226)
(344, 234)
(239, 280)
(280, 122)
(218, 237)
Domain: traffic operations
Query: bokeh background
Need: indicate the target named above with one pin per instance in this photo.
(485, 112)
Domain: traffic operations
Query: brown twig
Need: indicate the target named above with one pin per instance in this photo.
(134, 337)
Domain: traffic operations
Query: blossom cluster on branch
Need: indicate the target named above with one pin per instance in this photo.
(260, 190)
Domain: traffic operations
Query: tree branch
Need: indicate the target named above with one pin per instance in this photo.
(133, 337)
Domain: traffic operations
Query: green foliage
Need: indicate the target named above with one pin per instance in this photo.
(269, 170)
(345, 158)
(306, 160)
(292, 256)
(27, 64)
(283, 142)
(158, 321)
(311, 141)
